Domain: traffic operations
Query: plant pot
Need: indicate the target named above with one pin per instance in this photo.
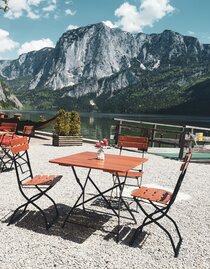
(61, 141)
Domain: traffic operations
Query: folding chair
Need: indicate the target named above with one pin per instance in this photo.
(162, 201)
(6, 159)
(42, 183)
(139, 143)
(136, 142)
(5, 138)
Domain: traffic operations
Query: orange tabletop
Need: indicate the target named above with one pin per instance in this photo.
(111, 163)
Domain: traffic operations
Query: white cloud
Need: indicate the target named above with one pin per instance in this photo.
(71, 27)
(34, 2)
(33, 9)
(70, 12)
(133, 19)
(33, 15)
(191, 33)
(35, 45)
(16, 9)
(6, 43)
(109, 24)
(49, 8)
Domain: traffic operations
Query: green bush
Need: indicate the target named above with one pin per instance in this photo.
(75, 123)
(67, 123)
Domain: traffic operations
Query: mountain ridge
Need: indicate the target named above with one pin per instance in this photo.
(101, 62)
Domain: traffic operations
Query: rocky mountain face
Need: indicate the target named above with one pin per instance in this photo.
(98, 61)
(8, 100)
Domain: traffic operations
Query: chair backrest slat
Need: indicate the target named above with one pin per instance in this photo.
(19, 144)
(9, 126)
(28, 130)
(138, 142)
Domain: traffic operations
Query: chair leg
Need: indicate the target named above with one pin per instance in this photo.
(32, 201)
(176, 227)
(25, 205)
(12, 219)
(140, 228)
(175, 248)
(51, 199)
(4, 164)
(47, 223)
(155, 220)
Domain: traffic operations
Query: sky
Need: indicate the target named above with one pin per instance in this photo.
(33, 24)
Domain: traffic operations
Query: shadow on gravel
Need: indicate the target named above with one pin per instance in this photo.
(80, 226)
(83, 223)
(114, 203)
(126, 234)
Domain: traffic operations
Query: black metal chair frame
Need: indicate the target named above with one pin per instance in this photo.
(162, 210)
(24, 172)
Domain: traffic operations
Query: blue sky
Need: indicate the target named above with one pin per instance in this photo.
(34, 24)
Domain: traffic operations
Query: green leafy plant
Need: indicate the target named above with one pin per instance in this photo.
(67, 123)
(75, 123)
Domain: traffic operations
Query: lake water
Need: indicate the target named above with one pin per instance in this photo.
(97, 125)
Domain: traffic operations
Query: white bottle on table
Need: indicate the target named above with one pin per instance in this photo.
(100, 154)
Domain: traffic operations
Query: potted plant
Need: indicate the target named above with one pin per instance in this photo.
(67, 129)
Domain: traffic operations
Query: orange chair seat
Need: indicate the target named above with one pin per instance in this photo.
(152, 194)
(43, 180)
(5, 140)
(131, 174)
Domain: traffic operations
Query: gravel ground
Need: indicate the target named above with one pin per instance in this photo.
(27, 244)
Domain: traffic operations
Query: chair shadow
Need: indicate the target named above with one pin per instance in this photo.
(100, 202)
(80, 226)
(47, 145)
(40, 137)
(125, 236)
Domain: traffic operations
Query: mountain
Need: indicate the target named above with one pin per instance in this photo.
(110, 70)
(7, 99)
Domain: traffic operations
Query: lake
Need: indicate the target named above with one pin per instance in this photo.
(97, 125)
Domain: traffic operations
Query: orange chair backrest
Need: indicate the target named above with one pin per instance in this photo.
(28, 130)
(9, 126)
(19, 144)
(138, 142)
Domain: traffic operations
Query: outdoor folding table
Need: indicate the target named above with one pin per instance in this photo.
(112, 163)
